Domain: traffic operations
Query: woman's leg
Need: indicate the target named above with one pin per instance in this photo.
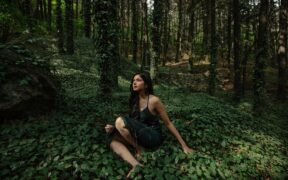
(121, 150)
(120, 126)
(118, 146)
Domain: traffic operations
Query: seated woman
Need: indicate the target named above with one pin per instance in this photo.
(142, 128)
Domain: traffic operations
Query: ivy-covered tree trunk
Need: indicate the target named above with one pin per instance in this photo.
(156, 37)
(237, 50)
(49, 14)
(106, 17)
(134, 35)
(59, 27)
(261, 56)
(87, 18)
(179, 31)
(69, 26)
(282, 50)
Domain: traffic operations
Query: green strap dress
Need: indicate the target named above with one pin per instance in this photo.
(147, 131)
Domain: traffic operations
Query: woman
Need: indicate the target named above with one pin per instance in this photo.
(141, 129)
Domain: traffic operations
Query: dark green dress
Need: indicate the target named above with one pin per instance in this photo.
(147, 131)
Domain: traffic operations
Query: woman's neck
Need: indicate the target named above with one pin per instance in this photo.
(143, 95)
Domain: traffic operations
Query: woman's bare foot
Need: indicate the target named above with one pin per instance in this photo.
(132, 170)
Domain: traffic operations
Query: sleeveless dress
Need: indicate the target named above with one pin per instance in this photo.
(147, 131)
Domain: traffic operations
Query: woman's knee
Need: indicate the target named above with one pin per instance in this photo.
(119, 123)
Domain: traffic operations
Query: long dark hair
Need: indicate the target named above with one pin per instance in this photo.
(134, 97)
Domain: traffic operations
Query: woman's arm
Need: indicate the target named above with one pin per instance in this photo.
(159, 107)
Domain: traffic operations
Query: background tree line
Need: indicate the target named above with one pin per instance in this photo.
(235, 34)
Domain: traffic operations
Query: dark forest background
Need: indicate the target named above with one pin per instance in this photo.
(220, 67)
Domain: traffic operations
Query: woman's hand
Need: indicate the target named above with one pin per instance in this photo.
(109, 128)
(187, 150)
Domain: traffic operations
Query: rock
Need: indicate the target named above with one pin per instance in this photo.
(27, 85)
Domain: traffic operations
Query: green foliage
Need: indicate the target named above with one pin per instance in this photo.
(229, 142)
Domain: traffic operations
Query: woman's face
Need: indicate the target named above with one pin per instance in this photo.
(138, 83)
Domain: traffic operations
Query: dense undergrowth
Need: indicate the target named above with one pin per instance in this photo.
(69, 143)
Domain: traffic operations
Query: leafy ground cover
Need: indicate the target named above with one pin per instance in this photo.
(69, 143)
(229, 141)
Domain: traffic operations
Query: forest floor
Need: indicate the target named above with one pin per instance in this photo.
(69, 142)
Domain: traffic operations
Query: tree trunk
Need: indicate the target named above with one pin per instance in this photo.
(261, 56)
(106, 17)
(69, 26)
(123, 26)
(191, 35)
(59, 26)
(237, 51)
(229, 42)
(28, 14)
(134, 35)
(145, 56)
(49, 14)
(166, 31)
(156, 37)
(87, 18)
(212, 75)
(282, 50)
(77, 9)
(271, 35)
(41, 11)
(206, 27)
(44, 9)
(179, 32)
(246, 54)
(128, 39)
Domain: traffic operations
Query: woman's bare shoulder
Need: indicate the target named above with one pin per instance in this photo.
(154, 99)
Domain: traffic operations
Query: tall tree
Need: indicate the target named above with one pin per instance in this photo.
(246, 50)
(49, 14)
(229, 23)
(76, 9)
(212, 75)
(28, 13)
(128, 37)
(87, 18)
(179, 31)
(107, 44)
(166, 32)
(134, 34)
(145, 49)
(69, 26)
(206, 27)
(261, 56)
(59, 26)
(191, 34)
(156, 37)
(237, 50)
(282, 50)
